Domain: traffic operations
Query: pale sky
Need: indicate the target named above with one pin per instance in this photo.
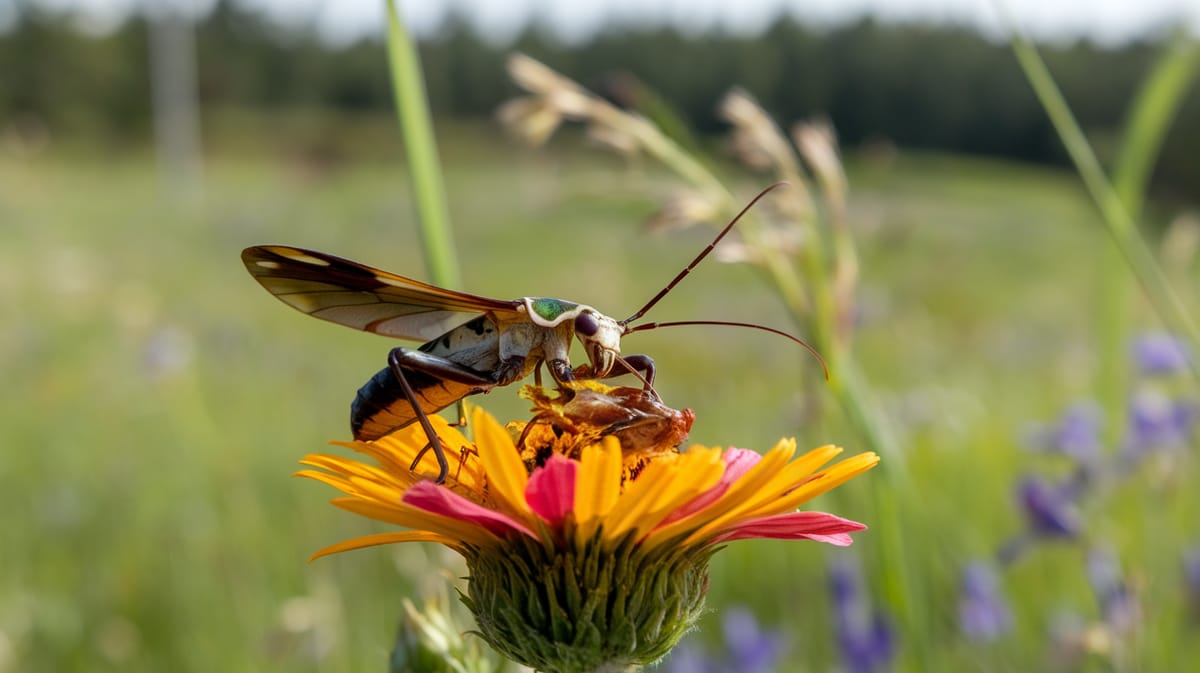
(1104, 20)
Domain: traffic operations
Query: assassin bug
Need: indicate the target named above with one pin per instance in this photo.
(472, 344)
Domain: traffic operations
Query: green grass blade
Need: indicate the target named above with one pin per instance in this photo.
(1155, 107)
(1116, 217)
(412, 108)
(1153, 110)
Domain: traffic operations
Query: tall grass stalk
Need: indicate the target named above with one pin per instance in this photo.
(412, 109)
(1151, 113)
(1114, 211)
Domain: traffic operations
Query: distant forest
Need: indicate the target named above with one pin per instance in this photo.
(936, 88)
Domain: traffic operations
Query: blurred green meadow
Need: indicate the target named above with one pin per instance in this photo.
(156, 399)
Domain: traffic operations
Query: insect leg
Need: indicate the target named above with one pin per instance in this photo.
(560, 370)
(636, 364)
(463, 455)
(435, 442)
(400, 359)
(641, 366)
(632, 364)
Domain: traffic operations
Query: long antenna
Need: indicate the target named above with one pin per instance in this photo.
(703, 253)
(772, 330)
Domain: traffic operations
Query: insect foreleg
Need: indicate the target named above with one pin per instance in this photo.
(641, 366)
(560, 370)
(636, 364)
(400, 359)
(632, 364)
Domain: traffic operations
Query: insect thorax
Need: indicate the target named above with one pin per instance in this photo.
(475, 344)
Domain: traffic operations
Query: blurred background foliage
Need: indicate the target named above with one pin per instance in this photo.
(155, 398)
(941, 88)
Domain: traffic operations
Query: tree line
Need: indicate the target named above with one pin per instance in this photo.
(940, 88)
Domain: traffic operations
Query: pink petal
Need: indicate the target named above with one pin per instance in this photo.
(817, 526)
(430, 497)
(737, 463)
(551, 489)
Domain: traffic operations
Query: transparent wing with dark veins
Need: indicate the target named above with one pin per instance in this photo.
(352, 294)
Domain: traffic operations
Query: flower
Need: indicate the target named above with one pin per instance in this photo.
(1191, 579)
(747, 649)
(1049, 511)
(1157, 422)
(1075, 638)
(751, 649)
(1076, 434)
(594, 555)
(1161, 354)
(1118, 605)
(983, 614)
(864, 634)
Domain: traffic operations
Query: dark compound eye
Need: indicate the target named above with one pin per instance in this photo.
(586, 325)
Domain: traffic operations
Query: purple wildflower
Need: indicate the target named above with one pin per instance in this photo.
(1076, 434)
(747, 649)
(864, 635)
(751, 649)
(983, 613)
(1118, 606)
(1049, 511)
(688, 657)
(1157, 422)
(1160, 354)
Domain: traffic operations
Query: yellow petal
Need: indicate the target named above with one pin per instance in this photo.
(662, 488)
(418, 519)
(384, 538)
(351, 468)
(395, 459)
(756, 478)
(597, 485)
(506, 472)
(835, 476)
(335, 480)
(327, 461)
(768, 497)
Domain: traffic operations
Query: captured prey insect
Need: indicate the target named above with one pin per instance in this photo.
(472, 344)
(583, 412)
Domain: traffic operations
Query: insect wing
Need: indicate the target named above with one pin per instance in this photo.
(352, 294)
